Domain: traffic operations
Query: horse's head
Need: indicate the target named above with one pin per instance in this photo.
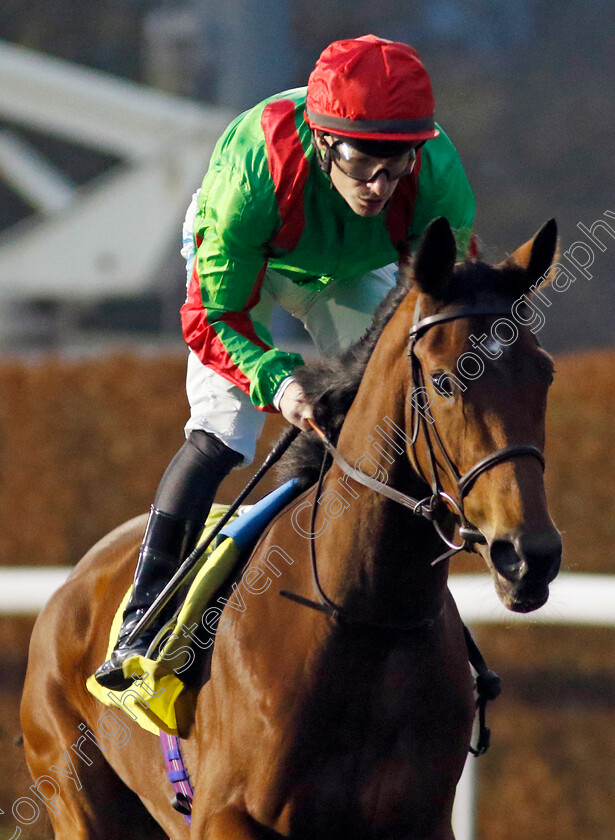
(480, 382)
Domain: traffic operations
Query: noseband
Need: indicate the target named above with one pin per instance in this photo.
(438, 504)
(431, 507)
(423, 420)
(435, 506)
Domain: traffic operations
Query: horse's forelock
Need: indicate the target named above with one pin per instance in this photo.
(472, 279)
(331, 384)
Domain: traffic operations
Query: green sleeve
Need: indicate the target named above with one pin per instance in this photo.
(235, 219)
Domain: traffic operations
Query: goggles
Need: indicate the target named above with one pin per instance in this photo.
(361, 167)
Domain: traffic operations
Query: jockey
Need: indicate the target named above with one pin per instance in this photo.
(311, 200)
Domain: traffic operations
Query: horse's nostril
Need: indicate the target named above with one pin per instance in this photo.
(543, 567)
(506, 560)
(542, 552)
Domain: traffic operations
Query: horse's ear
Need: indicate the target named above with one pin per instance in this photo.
(435, 260)
(536, 255)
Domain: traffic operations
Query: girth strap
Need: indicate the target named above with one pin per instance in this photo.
(177, 774)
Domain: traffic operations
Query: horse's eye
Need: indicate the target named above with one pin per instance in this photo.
(442, 383)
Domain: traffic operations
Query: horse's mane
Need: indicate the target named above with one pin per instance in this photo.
(331, 385)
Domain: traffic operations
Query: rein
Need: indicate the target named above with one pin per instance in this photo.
(431, 506)
(338, 613)
(487, 682)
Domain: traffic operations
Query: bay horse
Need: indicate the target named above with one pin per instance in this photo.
(345, 708)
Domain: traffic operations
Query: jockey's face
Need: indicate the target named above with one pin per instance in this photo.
(364, 197)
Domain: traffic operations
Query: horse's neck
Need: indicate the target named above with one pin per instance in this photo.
(376, 554)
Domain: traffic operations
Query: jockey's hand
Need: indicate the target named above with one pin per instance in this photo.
(295, 407)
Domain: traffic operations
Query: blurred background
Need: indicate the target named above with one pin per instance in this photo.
(108, 114)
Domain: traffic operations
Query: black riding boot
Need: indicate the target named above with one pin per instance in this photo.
(163, 548)
(187, 490)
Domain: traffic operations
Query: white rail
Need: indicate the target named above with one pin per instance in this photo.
(26, 589)
(576, 599)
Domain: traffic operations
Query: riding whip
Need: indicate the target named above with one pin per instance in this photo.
(188, 564)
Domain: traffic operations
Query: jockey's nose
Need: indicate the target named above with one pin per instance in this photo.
(380, 184)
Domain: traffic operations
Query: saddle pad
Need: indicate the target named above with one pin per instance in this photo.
(151, 700)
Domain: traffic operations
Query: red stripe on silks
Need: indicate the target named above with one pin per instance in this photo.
(201, 336)
(401, 209)
(288, 167)
(255, 294)
(241, 323)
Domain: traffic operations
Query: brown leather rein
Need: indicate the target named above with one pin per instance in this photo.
(438, 503)
(487, 683)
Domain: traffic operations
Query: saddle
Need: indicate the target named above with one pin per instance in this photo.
(157, 700)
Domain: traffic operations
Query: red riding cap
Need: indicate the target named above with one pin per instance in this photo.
(372, 89)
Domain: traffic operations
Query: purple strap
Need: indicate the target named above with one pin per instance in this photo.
(176, 770)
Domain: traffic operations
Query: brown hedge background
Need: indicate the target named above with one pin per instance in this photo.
(83, 445)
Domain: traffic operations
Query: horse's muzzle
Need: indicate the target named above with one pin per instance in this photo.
(525, 567)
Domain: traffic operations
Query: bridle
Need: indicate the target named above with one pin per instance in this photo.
(423, 421)
(437, 505)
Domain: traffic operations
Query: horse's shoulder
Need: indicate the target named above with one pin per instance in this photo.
(102, 574)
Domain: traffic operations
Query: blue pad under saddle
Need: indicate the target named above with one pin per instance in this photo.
(247, 528)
